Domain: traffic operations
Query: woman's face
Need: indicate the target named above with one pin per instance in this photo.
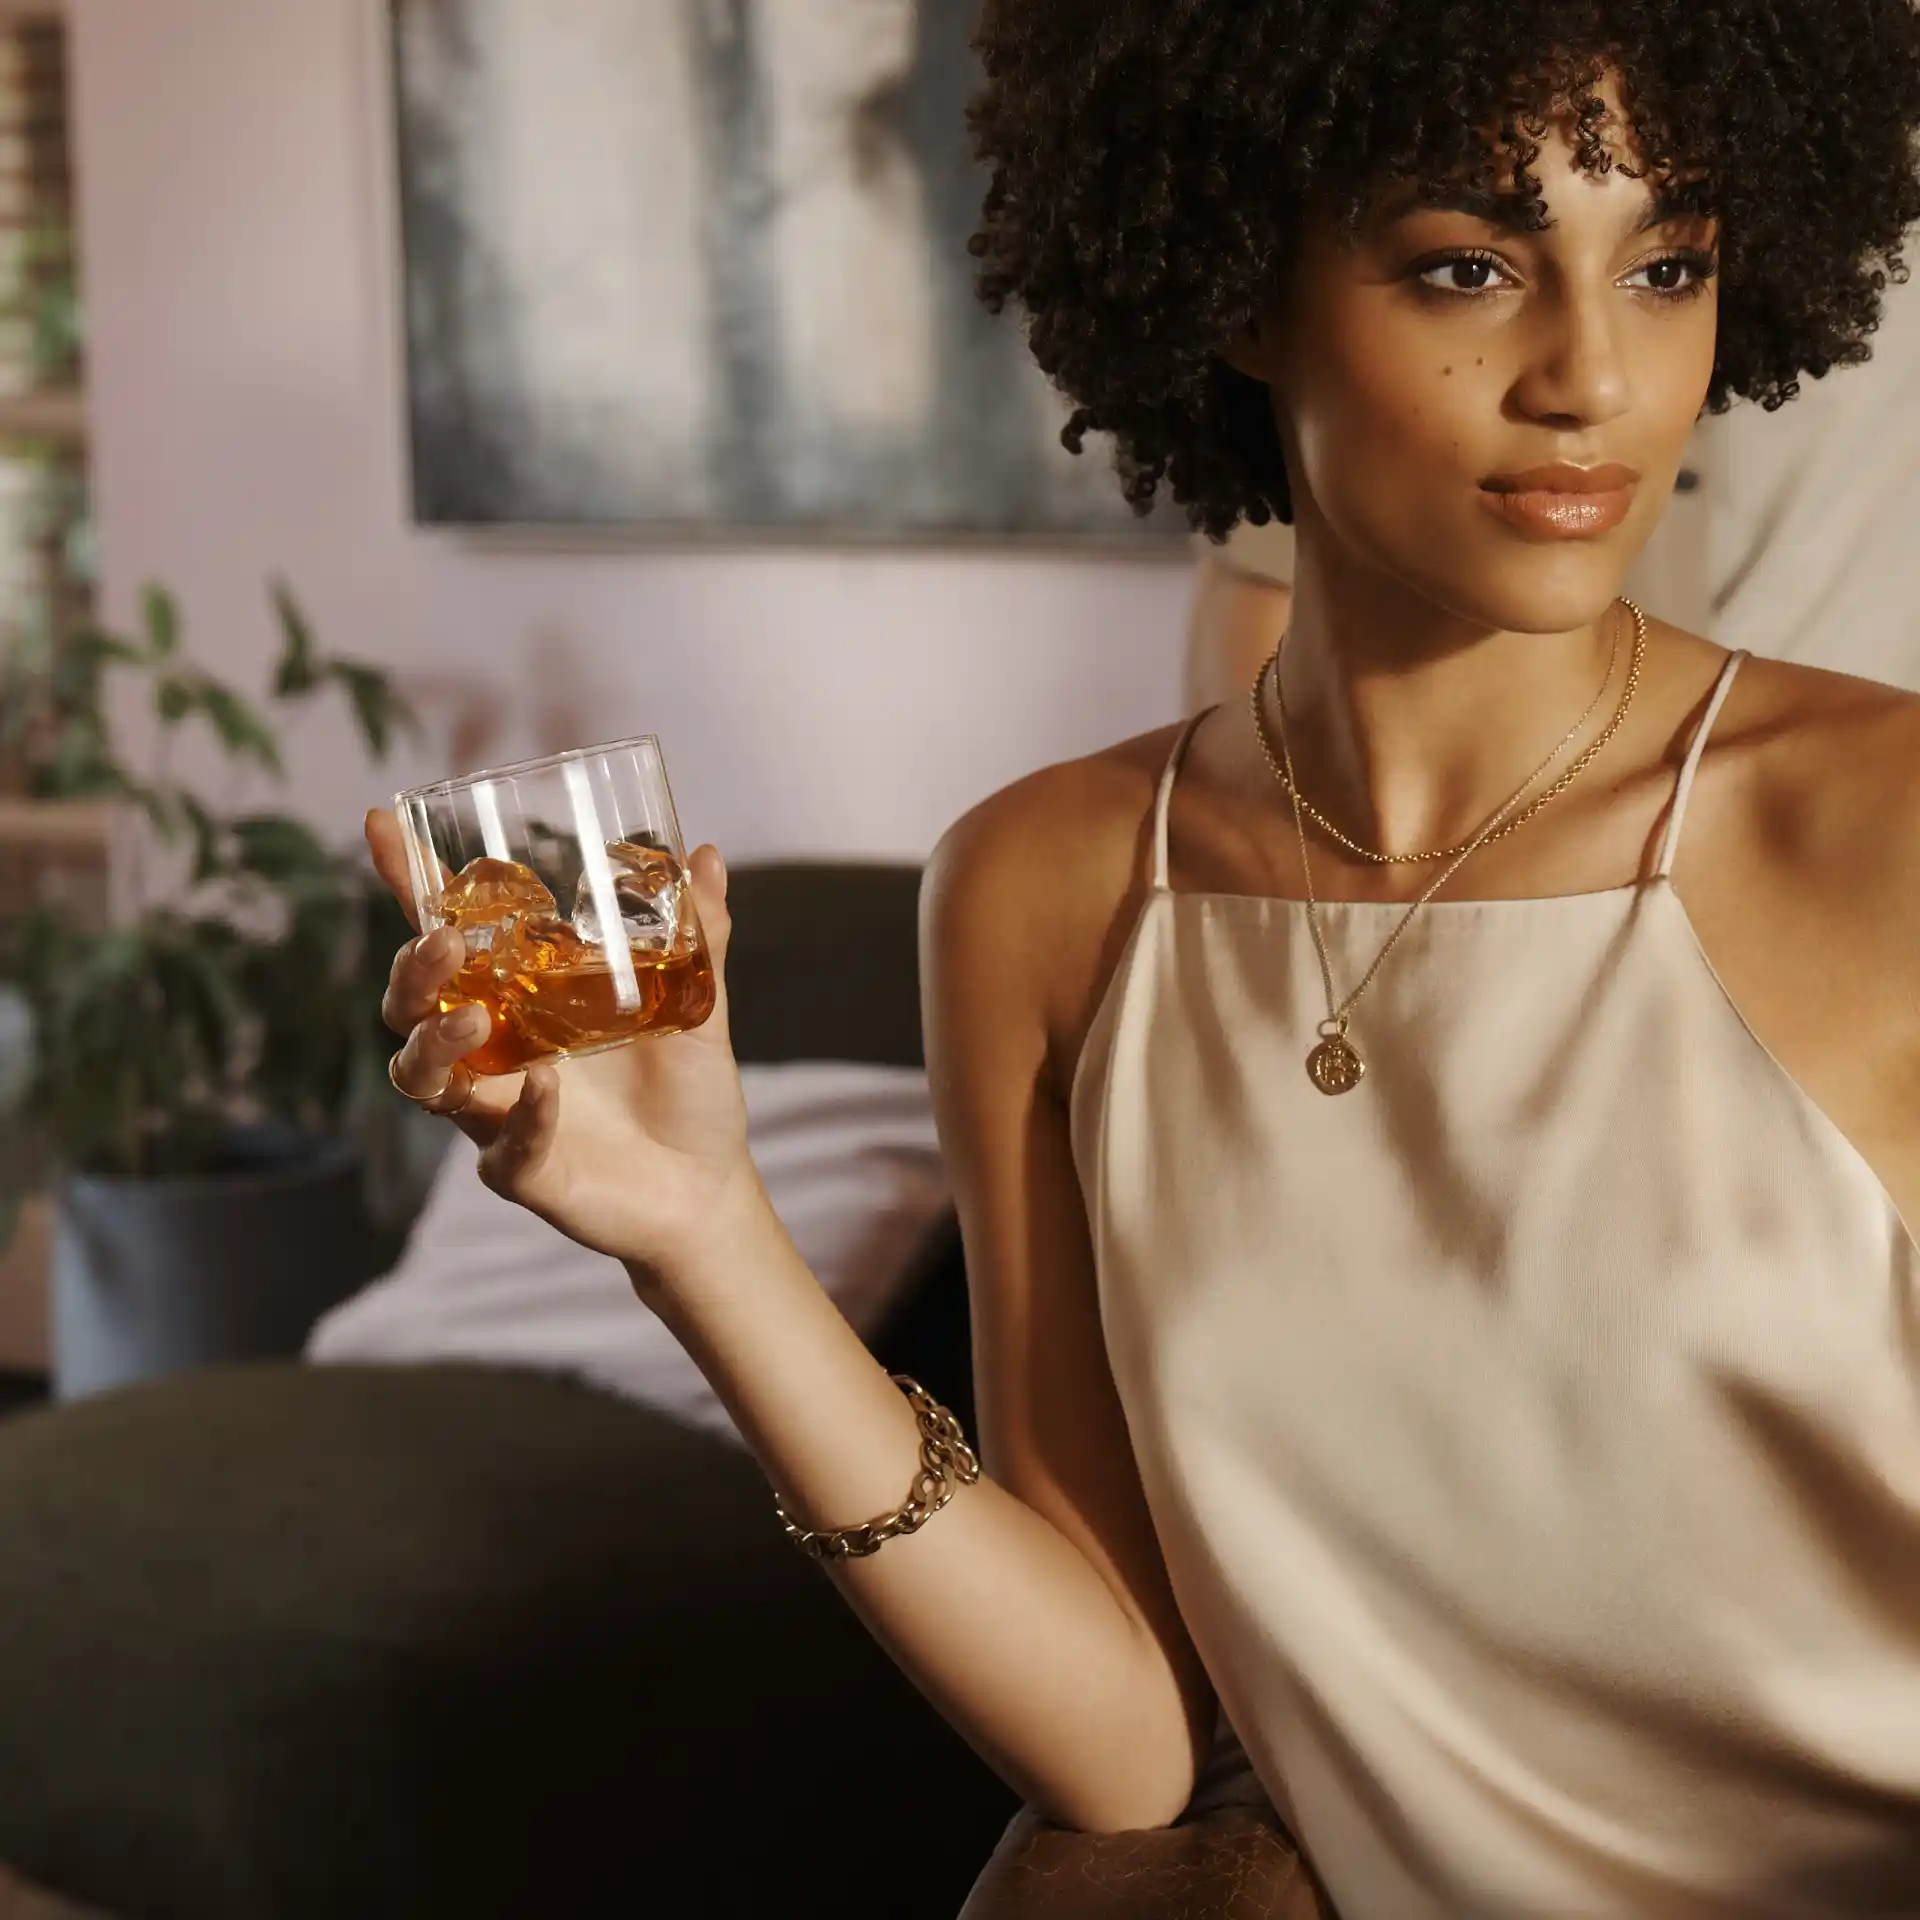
(1437, 382)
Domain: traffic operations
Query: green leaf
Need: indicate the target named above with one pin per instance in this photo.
(277, 848)
(242, 729)
(377, 708)
(175, 812)
(160, 617)
(80, 766)
(92, 644)
(73, 679)
(75, 662)
(163, 809)
(206, 836)
(99, 990)
(299, 670)
(200, 993)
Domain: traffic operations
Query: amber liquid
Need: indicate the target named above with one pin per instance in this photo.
(549, 991)
(540, 1013)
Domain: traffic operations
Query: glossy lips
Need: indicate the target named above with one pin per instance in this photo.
(1562, 502)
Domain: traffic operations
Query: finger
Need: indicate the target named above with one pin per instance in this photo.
(708, 873)
(526, 1135)
(422, 970)
(430, 1069)
(387, 842)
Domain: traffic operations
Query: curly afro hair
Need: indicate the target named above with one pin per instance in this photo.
(1152, 161)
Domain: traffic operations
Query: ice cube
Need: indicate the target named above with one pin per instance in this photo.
(649, 887)
(487, 899)
(540, 943)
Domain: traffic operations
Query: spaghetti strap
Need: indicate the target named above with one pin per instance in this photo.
(1683, 787)
(1163, 803)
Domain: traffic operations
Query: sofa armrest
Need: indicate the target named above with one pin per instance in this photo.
(1235, 1863)
(19, 1901)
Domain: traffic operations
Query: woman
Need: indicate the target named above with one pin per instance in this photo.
(1475, 1344)
(1791, 535)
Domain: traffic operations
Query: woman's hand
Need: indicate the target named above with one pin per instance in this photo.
(636, 1152)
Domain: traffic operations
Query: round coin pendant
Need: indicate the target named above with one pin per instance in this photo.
(1334, 1067)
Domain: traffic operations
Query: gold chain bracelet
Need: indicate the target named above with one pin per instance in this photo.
(946, 1461)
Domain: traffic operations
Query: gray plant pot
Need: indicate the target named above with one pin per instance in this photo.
(153, 1276)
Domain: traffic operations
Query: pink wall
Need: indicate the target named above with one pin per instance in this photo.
(239, 236)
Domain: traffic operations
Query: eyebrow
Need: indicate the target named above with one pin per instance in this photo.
(1507, 210)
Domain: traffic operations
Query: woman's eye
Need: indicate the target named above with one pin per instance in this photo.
(1676, 274)
(1463, 273)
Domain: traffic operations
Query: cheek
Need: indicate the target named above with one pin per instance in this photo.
(1676, 381)
(1385, 423)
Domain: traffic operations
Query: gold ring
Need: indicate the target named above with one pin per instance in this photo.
(431, 1105)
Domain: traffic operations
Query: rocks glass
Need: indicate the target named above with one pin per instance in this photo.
(568, 880)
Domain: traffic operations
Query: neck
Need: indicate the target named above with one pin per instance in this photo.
(1409, 725)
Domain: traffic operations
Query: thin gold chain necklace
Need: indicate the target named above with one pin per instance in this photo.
(1335, 1065)
(1280, 772)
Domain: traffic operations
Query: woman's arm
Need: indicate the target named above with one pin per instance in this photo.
(1034, 1610)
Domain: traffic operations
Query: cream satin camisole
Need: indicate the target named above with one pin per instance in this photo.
(1533, 1434)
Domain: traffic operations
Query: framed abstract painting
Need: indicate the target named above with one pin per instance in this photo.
(690, 270)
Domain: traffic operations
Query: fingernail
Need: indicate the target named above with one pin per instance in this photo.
(433, 947)
(464, 1023)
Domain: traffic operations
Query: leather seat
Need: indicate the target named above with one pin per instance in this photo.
(1233, 1863)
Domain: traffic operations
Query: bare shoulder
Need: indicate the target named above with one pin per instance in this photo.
(1036, 886)
(1818, 706)
(1829, 769)
(1808, 863)
(1072, 814)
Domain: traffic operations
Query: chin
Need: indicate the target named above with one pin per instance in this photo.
(1547, 590)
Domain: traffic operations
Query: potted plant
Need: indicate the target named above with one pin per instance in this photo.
(205, 1062)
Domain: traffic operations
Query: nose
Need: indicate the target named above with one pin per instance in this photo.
(1576, 372)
